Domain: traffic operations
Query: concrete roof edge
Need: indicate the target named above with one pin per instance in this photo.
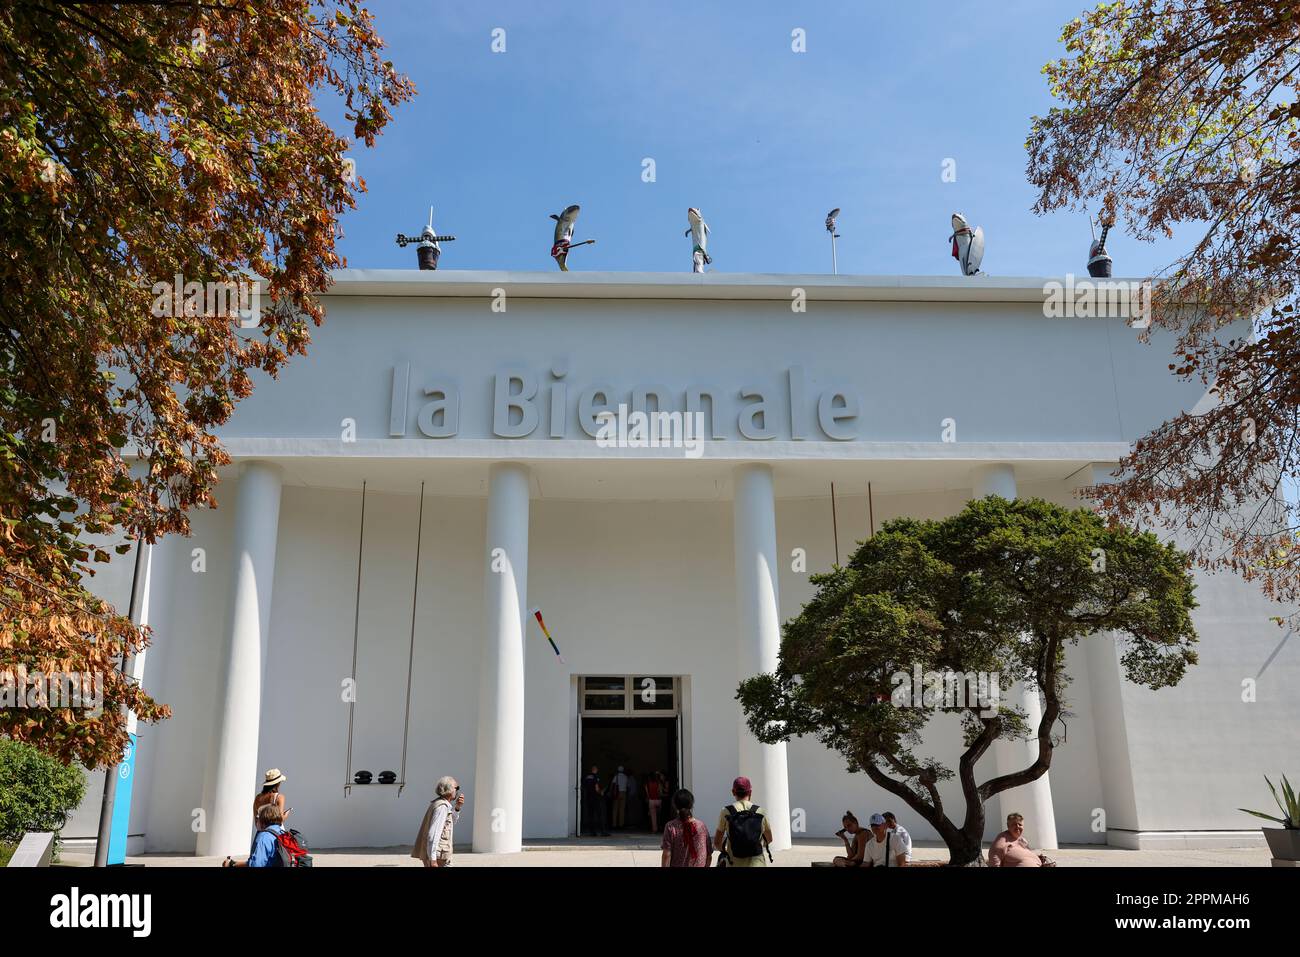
(466, 283)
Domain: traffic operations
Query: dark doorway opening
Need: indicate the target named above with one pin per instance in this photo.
(642, 746)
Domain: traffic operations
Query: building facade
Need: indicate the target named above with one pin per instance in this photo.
(461, 448)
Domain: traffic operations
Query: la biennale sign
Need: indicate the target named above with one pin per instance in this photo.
(525, 404)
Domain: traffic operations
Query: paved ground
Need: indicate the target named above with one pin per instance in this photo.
(633, 852)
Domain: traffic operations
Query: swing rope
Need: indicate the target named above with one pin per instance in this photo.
(356, 632)
(410, 658)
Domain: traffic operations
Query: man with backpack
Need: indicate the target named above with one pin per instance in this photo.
(273, 846)
(743, 834)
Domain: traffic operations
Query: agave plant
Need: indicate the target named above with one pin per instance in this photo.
(1288, 804)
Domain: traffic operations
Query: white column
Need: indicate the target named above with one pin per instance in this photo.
(759, 645)
(239, 702)
(1033, 800)
(499, 767)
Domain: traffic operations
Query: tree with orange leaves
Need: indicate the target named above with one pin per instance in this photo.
(151, 154)
(1185, 113)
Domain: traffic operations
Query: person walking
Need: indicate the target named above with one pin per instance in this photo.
(686, 839)
(266, 843)
(434, 842)
(270, 794)
(653, 800)
(743, 832)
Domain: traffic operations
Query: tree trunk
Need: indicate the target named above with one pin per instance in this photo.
(965, 852)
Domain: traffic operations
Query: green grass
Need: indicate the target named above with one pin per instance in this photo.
(6, 852)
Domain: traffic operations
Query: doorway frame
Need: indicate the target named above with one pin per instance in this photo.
(680, 710)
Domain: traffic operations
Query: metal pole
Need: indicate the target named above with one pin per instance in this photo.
(835, 268)
(871, 511)
(110, 776)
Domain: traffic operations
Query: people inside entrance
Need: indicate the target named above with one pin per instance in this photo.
(595, 816)
(653, 800)
(434, 842)
(686, 838)
(743, 834)
(618, 789)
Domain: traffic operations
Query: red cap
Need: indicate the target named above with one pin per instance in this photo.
(741, 786)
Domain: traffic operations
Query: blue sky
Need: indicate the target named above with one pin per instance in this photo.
(764, 140)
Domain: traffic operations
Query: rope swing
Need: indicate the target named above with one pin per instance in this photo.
(349, 783)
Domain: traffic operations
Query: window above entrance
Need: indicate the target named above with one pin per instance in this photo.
(629, 694)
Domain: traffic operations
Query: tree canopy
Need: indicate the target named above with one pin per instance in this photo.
(1184, 113)
(150, 154)
(993, 594)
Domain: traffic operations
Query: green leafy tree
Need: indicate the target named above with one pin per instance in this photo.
(998, 590)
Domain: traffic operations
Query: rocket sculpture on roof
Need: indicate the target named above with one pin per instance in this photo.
(564, 224)
(699, 233)
(967, 245)
(1099, 261)
(428, 251)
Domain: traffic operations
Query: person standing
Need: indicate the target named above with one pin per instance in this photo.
(270, 794)
(618, 790)
(743, 832)
(686, 839)
(595, 818)
(434, 842)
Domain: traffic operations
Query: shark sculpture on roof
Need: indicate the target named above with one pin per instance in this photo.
(698, 230)
(564, 225)
(967, 245)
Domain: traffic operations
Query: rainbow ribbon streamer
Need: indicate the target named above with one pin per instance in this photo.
(537, 613)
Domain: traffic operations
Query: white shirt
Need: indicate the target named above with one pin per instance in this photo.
(902, 841)
(876, 852)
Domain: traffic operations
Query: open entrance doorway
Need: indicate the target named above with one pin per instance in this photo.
(631, 722)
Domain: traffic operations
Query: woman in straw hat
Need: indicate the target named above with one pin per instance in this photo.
(270, 794)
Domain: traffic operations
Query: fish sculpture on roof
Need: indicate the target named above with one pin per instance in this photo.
(564, 225)
(698, 230)
(967, 245)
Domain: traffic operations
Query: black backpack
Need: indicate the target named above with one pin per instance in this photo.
(745, 831)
